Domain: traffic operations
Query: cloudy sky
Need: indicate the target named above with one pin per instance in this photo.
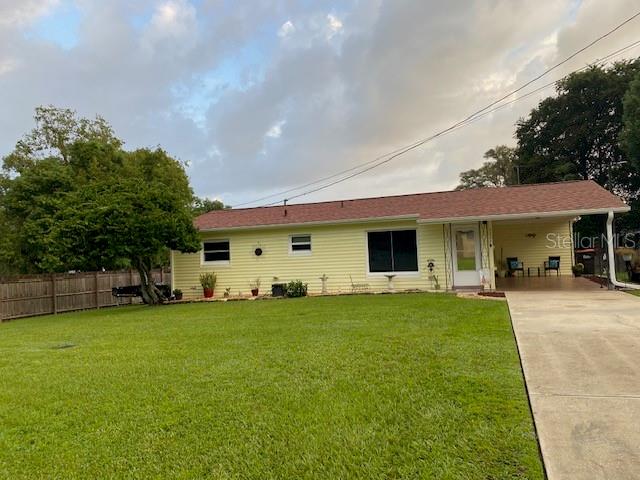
(260, 96)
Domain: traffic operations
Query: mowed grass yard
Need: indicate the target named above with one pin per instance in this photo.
(372, 387)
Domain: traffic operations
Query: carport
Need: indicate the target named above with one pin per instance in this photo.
(550, 283)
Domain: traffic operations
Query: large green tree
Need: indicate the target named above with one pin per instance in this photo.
(95, 206)
(630, 136)
(630, 142)
(204, 205)
(498, 171)
(55, 131)
(575, 134)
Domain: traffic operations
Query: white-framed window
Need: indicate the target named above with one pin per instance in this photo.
(392, 251)
(300, 244)
(216, 252)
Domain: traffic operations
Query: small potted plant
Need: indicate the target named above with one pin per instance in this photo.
(578, 269)
(227, 292)
(208, 282)
(177, 294)
(255, 287)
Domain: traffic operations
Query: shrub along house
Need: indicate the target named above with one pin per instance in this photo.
(427, 241)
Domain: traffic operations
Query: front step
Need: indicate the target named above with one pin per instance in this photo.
(470, 288)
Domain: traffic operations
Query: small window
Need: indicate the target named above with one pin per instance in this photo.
(216, 251)
(393, 251)
(300, 244)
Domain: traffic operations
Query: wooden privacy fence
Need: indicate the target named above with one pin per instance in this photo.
(26, 296)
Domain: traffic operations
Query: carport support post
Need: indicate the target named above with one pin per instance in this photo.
(610, 252)
(610, 257)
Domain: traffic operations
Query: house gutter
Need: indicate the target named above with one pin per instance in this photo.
(319, 223)
(527, 215)
(611, 258)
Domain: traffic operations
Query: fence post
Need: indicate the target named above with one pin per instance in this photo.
(54, 294)
(111, 287)
(97, 283)
(130, 283)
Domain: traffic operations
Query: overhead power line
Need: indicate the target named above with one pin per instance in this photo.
(388, 157)
(599, 61)
(444, 132)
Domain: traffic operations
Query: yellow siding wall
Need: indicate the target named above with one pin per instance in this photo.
(337, 251)
(552, 238)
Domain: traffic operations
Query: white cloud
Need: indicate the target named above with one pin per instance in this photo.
(286, 29)
(172, 21)
(7, 66)
(21, 12)
(349, 85)
(334, 25)
(276, 130)
(173, 17)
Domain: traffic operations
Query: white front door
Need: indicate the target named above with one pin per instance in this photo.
(465, 246)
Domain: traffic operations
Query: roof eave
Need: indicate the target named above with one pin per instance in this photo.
(390, 218)
(514, 216)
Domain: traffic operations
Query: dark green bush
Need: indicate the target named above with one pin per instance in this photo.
(578, 269)
(296, 288)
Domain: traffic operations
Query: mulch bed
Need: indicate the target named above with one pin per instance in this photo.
(596, 279)
(492, 294)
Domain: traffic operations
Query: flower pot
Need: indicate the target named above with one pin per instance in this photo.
(178, 296)
(208, 292)
(254, 292)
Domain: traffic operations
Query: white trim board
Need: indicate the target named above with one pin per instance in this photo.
(313, 224)
(513, 216)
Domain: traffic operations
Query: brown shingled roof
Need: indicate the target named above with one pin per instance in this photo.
(547, 198)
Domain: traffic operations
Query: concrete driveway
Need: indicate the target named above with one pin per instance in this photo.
(581, 357)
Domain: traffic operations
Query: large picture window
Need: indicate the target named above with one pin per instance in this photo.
(393, 251)
(216, 251)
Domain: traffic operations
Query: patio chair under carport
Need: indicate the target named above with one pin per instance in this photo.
(515, 266)
(552, 264)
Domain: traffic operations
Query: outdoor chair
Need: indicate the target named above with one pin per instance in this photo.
(514, 266)
(552, 264)
(358, 287)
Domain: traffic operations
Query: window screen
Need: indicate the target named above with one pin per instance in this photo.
(217, 251)
(300, 243)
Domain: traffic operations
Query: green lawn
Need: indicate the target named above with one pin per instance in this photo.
(387, 386)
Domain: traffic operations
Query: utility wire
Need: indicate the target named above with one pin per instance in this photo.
(598, 62)
(549, 70)
(382, 159)
(468, 122)
(320, 180)
(471, 119)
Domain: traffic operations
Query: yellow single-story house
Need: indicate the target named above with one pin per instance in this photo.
(426, 241)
